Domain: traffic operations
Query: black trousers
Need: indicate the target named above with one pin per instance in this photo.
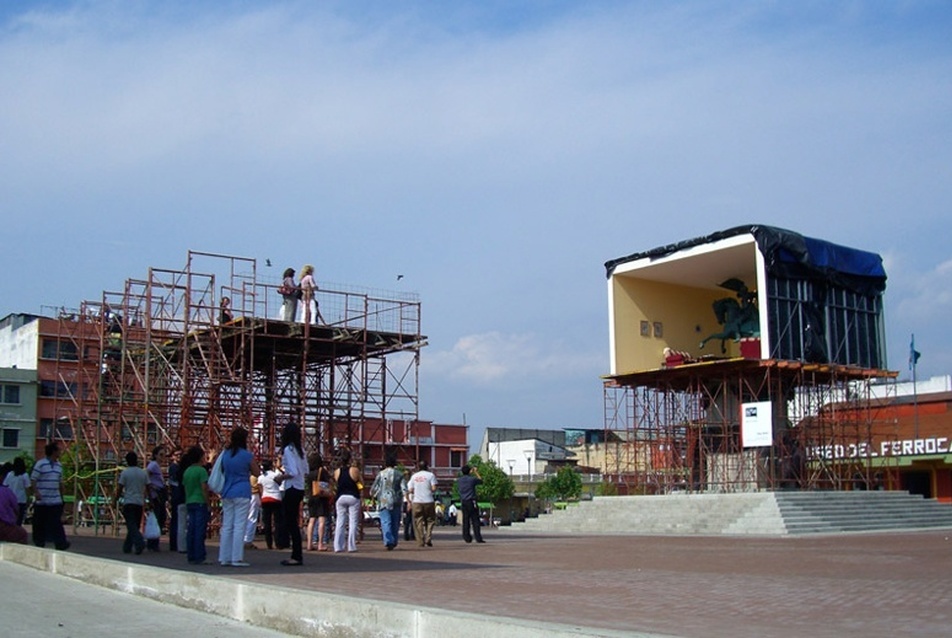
(292, 520)
(471, 520)
(48, 526)
(178, 498)
(272, 518)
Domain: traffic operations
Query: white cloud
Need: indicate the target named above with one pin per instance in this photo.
(927, 297)
(489, 154)
(494, 357)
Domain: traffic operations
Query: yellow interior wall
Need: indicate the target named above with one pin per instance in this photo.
(680, 309)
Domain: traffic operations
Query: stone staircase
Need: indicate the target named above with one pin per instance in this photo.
(750, 513)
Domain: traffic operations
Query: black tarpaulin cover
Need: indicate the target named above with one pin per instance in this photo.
(821, 322)
(790, 255)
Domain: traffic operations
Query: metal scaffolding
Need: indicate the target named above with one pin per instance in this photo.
(682, 426)
(157, 363)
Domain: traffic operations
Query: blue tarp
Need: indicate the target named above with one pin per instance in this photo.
(791, 255)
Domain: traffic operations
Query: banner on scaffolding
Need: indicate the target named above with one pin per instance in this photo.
(756, 424)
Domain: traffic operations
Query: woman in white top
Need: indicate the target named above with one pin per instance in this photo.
(19, 481)
(272, 512)
(308, 287)
(292, 477)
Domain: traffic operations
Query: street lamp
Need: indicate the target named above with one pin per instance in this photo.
(528, 454)
(512, 464)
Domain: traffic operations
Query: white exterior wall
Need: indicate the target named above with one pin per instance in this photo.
(933, 385)
(502, 453)
(19, 348)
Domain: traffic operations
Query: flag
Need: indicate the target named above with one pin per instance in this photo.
(913, 353)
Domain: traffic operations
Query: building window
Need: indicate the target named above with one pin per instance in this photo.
(11, 437)
(456, 458)
(57, 389)
(10, 394)
(56, 349)
(63, 429)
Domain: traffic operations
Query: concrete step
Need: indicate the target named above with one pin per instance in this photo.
(760, 513)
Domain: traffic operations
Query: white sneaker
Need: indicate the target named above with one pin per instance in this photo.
(240, 563)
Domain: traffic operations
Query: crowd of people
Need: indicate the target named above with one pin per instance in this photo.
(278, 496)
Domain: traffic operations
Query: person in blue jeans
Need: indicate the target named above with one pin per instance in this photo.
(195, 482)
(389, 490)
(238, 464)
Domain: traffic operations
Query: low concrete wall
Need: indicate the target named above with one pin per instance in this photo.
(293, 611)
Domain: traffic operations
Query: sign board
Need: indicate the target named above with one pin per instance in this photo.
(756, 424)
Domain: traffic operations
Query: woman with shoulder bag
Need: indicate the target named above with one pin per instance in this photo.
(238, 465)
(290, 293)
(347, 477)
(319, 502)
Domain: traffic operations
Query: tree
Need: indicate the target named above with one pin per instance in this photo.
(564, 485)
(496, 486)
(607, 488)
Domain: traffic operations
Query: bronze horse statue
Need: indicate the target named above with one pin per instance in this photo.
(738, 316)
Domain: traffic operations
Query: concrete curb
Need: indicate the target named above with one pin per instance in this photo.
(292, 611)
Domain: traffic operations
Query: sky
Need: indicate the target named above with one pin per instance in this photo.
(495, 154)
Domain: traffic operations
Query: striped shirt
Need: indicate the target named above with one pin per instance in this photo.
(46, 477)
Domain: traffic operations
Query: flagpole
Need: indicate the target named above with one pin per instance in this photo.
(913, 359)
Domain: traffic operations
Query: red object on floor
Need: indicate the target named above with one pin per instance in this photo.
(750, 348)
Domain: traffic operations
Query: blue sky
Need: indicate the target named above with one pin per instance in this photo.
(496, 156)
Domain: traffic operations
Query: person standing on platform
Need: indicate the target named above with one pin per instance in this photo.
(290, 294)
(466, 485)
(225, 314)
(422, 488)
(47, 477)
(308, 288)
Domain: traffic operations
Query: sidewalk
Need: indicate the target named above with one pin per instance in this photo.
(850, 585)
(35, 604)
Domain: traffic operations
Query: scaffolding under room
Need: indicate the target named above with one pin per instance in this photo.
(790, 396)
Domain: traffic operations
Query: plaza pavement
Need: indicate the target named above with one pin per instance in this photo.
(856, 585)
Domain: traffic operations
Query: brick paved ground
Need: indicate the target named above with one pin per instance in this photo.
(857, 585)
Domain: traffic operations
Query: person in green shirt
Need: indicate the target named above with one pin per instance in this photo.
(195, 483)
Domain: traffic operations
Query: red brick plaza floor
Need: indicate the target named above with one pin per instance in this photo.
(895, 584)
